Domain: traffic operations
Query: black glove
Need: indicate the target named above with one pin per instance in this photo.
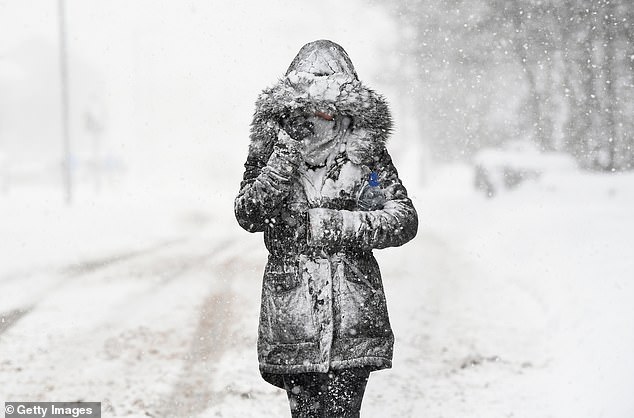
(297, 126)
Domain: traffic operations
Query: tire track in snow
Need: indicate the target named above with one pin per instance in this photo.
(8, 319)
(66, 274)
(192, 393)
(158, 266)
(96, 264)
(90, 265)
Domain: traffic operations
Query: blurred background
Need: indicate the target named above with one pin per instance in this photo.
(123, 130)
(94, 95)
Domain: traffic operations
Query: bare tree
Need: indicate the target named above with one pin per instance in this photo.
(574, 59)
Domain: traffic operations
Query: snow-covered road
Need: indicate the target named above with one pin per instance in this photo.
(518, 307)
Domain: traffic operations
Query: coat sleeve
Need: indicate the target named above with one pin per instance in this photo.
(271, 165)
(392, 226)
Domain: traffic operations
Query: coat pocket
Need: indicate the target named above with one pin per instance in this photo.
(363, 309)
(282, 280)
(286, 309)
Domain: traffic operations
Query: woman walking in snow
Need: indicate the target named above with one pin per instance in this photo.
(321, 185)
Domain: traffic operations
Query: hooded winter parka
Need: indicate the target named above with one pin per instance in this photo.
(323, 305)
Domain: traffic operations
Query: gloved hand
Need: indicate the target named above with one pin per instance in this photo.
(297, 125)
(286, 157)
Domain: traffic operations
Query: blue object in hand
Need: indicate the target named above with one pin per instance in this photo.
(374, 179)
(371, 197)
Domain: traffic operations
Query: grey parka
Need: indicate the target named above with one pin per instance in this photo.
(323, 304)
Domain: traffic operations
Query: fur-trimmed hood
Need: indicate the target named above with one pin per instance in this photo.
(322, 78)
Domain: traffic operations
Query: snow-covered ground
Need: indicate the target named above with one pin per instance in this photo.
(517, 306)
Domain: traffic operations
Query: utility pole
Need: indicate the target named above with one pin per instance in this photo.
(63, 71)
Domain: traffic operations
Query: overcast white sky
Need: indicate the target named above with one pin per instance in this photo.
(175, 82)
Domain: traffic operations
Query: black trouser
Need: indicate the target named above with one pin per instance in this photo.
(336, 394)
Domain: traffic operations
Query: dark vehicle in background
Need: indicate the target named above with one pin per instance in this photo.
(497, 170)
